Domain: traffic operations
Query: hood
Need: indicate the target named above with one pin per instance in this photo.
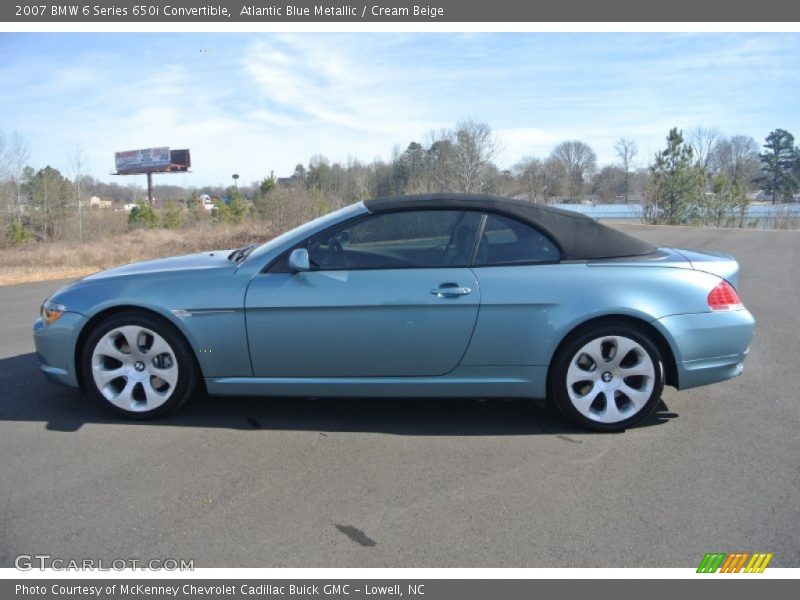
(188, 262)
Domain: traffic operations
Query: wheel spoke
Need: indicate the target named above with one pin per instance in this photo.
(623, 347)
(644, 368)
(154, 397)
(594, 350)
(584, 402)
(124, 399)
(611, 413)
(131, 335)
(157, 347)
(169, 375)
(580, 397)
(109, 349)
(103, 377)
(638, 397)
(576, 374)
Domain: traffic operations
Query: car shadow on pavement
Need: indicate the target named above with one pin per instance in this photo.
(28, 397)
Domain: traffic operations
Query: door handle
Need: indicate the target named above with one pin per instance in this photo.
(450, 290)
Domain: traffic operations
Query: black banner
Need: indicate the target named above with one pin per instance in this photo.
(299, 11)
(730, 588)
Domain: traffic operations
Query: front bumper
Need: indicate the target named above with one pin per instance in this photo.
(55, 347)
(708, 347)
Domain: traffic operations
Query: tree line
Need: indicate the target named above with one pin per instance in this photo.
(700, 176)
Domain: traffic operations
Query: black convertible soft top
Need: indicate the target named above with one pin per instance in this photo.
(578, 236)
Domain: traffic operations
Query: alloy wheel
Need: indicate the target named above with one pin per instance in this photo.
(610, 379)
(134, 368)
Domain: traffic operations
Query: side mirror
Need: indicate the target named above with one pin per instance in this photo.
(298, 260)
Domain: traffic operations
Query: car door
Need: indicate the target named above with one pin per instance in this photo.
(388, 295)
(522, 290)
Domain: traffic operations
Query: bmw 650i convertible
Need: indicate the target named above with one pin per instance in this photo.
(441, 295)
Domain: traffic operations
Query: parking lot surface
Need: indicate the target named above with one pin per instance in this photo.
(416, 483)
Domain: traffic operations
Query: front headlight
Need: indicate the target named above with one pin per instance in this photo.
(51, 311)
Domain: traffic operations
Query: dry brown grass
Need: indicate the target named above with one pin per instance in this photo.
(63, 260)
(107, 241)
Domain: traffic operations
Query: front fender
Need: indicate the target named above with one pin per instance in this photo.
(213, 321)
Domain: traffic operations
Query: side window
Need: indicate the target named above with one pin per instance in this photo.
(407, 239)
(507, 241)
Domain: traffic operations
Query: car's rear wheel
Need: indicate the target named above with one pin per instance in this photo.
(608, 377)
(138, 365)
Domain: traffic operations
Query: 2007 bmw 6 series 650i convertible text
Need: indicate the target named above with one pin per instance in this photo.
(418, 296)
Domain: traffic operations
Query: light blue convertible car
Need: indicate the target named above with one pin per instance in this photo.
(419, 296)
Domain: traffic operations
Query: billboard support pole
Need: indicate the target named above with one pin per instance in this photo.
(150, 188)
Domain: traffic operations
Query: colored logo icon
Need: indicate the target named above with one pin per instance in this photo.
(737, 562)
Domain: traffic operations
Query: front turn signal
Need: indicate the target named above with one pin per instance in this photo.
(51, 312)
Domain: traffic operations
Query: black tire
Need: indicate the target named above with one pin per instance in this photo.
(594, 403)
(185, 385)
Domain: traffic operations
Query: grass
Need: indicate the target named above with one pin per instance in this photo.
(64, 260)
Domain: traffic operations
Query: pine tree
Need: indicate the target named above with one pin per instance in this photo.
(49, 195)
(268, 184)
(678, 183)
(778, 163)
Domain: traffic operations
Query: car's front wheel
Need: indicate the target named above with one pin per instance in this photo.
(139, 365)
(608, 377)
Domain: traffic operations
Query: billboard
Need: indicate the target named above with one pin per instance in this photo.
(147, 159)
(180, 160)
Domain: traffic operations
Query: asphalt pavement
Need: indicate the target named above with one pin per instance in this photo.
(416, 483)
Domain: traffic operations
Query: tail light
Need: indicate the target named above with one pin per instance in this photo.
(724, 297)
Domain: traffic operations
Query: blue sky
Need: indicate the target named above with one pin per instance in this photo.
(252, 103)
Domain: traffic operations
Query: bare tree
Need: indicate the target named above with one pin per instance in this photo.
(530, 173)
(6, 195)
(737, 157)
(457, 159)
(440, 161)
(626, 150)
(18, 154)
(551, 174)
(642, 182)
(609, 183)
(358, 180)
(702, 140)
(3, 157)
(576, 161)
(474, 148)
(77, 163)
(537, 179)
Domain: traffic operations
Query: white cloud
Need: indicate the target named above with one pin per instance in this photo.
(261, 102)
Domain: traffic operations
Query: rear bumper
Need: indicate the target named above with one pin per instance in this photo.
(708, 347)
(55, 347)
